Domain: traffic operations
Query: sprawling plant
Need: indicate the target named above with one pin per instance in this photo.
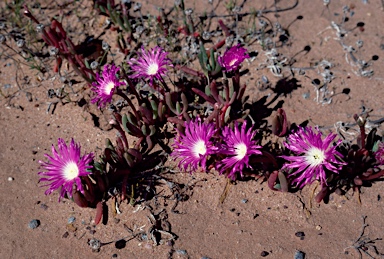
(200, 117)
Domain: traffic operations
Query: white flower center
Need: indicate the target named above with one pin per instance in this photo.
(71, 171)
(108, 88)
(241, 150)
(233, 61)
(315, 156)
(152, 69)
(199, 148)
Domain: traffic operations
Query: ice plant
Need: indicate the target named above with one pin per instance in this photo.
(105, 85)
(232, 58)
(237, 146)
(150, 64)
(195, 146)
(314, 156)
(65, 168)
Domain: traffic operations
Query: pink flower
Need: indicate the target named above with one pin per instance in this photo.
(106, 85)
(65, 168)
(150, 64)
(315, 157)
(195, 146)
(379, 154)
(238, 146)
(232, 58)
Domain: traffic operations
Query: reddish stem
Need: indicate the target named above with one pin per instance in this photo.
(124, 188)
(216, 47)
(189, 71)
(55, 24)
(202, 94)
(373, 176)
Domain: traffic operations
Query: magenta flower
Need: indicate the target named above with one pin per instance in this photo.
(315, 157)
(237, 146)
(232, 58)
(150, 64)
(64, 168)
(106, 85)
(195, 146)
(379, 154)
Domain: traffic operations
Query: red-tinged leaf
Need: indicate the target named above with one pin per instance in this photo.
(101, 184)
(79, 199)
(202, 94)
(280, 123)
(99, 212)
(272, 180)
(321, 195)
(373, 176)
(283, 182)
(124, 188)
(224, 28)
(358, 181)
(58, 64)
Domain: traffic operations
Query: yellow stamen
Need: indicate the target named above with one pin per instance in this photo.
(152, 69)
(71, 171)
(108, 88)
(241, 151)
(199, 148)
(315, 156)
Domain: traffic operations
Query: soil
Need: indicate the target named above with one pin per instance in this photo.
(253, 221)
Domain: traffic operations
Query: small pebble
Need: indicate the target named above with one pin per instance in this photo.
(66, 234)
(205, 257)
(318, 227)
(43, 206)
(71, 227)
(181, 252)
(10, 179)
(300, 234)
(306, 95)
(244, 200)
(95, 244)
(144, 236)
(34, 223)
(299, 255)
(264, 254)
(29, 96)
(71, 220)
(114, 256)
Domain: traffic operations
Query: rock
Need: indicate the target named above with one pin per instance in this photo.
(34, 223)
(299, 255)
